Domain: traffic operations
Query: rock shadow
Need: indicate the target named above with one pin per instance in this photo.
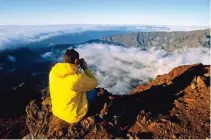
(156, 100)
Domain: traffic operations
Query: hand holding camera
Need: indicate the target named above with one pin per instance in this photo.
(83, 63)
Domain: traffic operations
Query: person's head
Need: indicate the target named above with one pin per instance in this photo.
(71, 56)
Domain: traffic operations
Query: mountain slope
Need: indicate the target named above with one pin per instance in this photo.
(165, 40)
(22, 72)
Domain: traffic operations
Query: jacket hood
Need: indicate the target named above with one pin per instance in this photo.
(64, 69)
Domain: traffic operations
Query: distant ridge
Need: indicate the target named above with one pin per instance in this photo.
(165, 40)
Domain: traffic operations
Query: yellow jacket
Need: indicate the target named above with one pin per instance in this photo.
(68, 88)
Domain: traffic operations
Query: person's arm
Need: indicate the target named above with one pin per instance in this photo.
(85, 82)
(89, 73)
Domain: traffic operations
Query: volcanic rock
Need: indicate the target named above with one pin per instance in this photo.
(167, 107)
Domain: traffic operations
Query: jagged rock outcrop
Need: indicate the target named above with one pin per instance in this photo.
(165, 40)
(173, 105)
(183, 110)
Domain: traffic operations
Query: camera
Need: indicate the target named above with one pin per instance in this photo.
(81, 61)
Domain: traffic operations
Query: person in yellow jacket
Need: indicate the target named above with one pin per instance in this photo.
(71, 91)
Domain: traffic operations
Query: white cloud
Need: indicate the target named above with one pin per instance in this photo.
(47, 55)
(12, 36)
(187, 28)
(121, 69)
(118, 69)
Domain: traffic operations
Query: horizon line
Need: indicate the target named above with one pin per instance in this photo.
(106, 25)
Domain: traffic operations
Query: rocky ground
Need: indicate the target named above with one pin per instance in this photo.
(173, 105)
(182, 104)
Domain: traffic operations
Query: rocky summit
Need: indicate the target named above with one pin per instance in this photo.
(173, 105)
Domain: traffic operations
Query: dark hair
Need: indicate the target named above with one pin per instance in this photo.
(70, 56)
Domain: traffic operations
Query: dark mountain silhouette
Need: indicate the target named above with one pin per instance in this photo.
(22, 74)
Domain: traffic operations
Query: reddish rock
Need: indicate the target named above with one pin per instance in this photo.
(167, 107)
(193, 86)
(201, 82)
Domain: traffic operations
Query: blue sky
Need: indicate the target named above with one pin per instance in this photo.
(118, 12)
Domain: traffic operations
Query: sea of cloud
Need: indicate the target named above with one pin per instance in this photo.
(120, 69)
(13, 36)
(10, 36)
(117, 69)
